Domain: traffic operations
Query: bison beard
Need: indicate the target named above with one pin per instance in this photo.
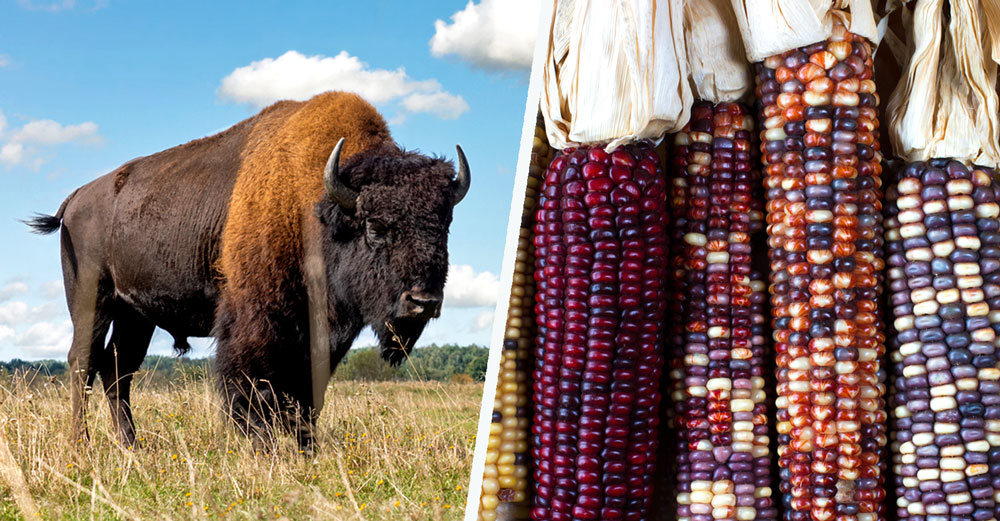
(231, 235)
(396, 337)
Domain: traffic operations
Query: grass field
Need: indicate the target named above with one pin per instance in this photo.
(386, 451)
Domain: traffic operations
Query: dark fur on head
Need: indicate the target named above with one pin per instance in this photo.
(395, 240)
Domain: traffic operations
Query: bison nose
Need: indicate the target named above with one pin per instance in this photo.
(417, 304)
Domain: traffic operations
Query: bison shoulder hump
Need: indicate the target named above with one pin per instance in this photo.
(281, 178)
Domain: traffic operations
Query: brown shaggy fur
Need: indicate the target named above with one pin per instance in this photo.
(279, 182)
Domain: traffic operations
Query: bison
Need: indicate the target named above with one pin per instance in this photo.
(282, 237)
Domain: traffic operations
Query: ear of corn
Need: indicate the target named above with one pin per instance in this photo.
(505, 472)
(600, 270)
(723, 464)
(944, 256)
(822, 176)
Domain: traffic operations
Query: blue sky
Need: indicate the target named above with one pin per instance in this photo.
(86, 85)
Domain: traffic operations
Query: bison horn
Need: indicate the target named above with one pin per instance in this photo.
(335, 188)
(463, 178)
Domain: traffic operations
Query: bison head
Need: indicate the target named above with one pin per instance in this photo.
(386, 219)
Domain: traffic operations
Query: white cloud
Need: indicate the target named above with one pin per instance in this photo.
(48, 132)
(24, 143)
(45, 339)
(13, 313)
(16, 313)
(3, 119)
(440, 104)
(11, 153)
(59, 5)
(493, 34)
(6, 333)
(466, 288)
(34, 322)
(483, 320)
(367, 338)
(11, 289)
(4, 60)
(52, 289)
(47, 6)
(48, 310)
(296, 76)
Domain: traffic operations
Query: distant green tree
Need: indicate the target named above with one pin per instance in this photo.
(46, 367)
(431, 362)
(476, 368)
(158, 369)
(366, 364)
(442, 363)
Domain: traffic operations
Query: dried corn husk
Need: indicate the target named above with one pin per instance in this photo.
(772, 27)
(991, 15)
(719, 69)
(946, 104)
(615, 71)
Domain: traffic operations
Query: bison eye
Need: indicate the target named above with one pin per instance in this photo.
(376, 231)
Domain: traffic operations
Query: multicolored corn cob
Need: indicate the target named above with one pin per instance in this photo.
(944, 256)
(601, 259)
(822, 177)
(505, 473)
(723, 470)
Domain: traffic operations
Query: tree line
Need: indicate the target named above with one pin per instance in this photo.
(449, 362)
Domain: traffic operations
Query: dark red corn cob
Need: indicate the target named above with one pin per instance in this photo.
(944, 255)
(601, 255)
(719, 345)
(822, 175)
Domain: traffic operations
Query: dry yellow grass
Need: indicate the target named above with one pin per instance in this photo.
(386, 451)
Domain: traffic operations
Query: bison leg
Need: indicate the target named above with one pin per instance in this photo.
(248, 394)
(82, 372)
(117, 364)
(264, 381)
(91, 316)
(252, 405)
(258, 406)
(299, 417)
(255, 405)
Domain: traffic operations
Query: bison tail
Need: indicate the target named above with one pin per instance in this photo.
(43, 224)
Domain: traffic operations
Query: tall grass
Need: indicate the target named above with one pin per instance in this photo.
(391, 450)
